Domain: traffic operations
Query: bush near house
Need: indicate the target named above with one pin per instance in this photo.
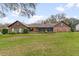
(46, 31)
(72, 29)
(25, 31)
(4, 31)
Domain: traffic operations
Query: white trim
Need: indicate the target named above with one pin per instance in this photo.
(13, 30)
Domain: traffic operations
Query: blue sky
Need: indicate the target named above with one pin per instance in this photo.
(43, 11)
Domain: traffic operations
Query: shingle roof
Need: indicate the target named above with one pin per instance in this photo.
(16, 22)
(42, 25)
(62, 22)
(46, 25)
(39, 25)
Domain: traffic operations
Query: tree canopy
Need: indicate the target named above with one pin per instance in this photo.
(24, 9)
(62, 17)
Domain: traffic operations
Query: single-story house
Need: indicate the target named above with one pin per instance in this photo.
(55, 27)
(41, 27)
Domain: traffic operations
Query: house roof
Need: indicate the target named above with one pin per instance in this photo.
(16, 22)
(47, 24)
(42, 25)
(61, 22)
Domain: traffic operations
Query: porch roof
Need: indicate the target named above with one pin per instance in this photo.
(41, 25)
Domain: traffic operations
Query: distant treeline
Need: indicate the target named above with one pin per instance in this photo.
(71, 21)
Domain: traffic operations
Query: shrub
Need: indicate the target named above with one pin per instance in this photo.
(4, 31)
(46, 31)
(72, 29)
(25, 31)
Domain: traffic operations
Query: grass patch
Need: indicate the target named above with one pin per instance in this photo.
(38, 44)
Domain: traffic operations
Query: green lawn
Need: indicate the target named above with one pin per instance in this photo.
(49, 44)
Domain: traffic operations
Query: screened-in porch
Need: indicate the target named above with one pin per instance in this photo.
(45, 29)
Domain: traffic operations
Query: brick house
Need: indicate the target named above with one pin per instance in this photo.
(55, 27)
(41, 27)
(17, 27)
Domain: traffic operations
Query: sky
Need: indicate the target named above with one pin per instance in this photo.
(43, 11)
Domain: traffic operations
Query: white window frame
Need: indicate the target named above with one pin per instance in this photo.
(20, 30)
(13, 30)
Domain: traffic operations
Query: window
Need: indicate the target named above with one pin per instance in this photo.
(41, 29)
(20, 30)
(16, 30)
(12, 29)
(50, 29)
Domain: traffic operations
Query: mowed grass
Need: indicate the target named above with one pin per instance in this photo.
(40, 44)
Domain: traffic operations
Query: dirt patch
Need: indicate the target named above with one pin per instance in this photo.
(15, 38)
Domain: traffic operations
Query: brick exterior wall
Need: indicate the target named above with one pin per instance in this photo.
(35, 29)
(61, 27)
(16, 25)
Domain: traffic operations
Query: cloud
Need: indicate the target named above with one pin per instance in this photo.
(77, 5)
(7, 20)
(76, 17)
(35, 18)
(60, 9)
(66, 7)
(69, 5)
(68, 16)
(16, 12)
(4, 20)
(72, 17)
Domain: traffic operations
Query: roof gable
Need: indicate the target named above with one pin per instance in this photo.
(48, 24)
(17, 22)
(60, 23)
(42, 25)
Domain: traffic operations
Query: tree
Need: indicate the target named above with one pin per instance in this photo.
(25, 31)
(51, 19)
(60, 17)
(4, 31)
(72, 22)
(55, 18)
(24, 9)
